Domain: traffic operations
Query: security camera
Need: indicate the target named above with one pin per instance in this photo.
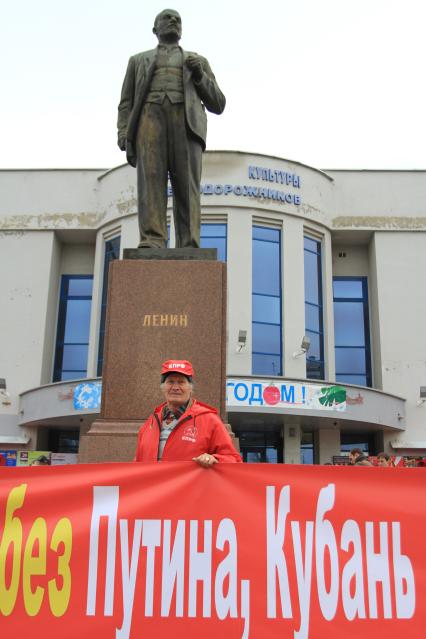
(304, 347)
(242, 340)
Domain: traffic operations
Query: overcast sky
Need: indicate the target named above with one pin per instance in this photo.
(330, 83)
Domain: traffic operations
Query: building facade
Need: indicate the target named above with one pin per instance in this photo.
(326, 303)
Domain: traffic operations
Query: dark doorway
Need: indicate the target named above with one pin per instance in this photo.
(63, 441)
(260, 447)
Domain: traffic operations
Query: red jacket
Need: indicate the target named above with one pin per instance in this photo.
(199, 430)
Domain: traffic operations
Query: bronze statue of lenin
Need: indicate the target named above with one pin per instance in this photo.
(162, 126)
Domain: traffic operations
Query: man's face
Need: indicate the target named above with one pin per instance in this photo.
(351, 458)
(382, 461)
(177, 389)
(168, 25)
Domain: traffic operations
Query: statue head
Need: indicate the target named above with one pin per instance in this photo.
(168, 26)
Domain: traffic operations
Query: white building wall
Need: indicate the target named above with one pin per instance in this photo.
(379, 199)
(49, 198)
(117, 193)
(129, 231)
(77, 259)
(401, 290)
(350, 260)
(26, 260)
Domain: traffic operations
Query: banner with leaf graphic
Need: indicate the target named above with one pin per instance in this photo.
(244, 392)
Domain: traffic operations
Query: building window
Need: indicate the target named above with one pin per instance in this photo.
(313, 309)
(364, 441)
(112, 252)
(261, 447)
(266, 302)
(214, 236)
(63, 441)
(211, 236)
(307, 448)
(351, 330)
(72, 339)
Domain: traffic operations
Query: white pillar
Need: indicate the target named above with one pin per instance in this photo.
(293, 297)
(239, 291)
(292, 438)
(329, 444)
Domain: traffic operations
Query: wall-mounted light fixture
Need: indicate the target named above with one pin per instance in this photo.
(4, 395)
(304, 347)
(422, 396)
(242, 340)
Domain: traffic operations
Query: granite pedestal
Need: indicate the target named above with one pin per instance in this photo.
(157, 309)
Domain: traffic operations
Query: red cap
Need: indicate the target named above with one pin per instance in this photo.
(181, 366)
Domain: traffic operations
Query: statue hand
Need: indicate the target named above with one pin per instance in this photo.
(195, 65)
(122, 144)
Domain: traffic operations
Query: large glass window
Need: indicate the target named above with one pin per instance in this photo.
(211, 236)
(266, 302)
(351, 330)
(313, 309)
(72, 339)
(112, 252)
(63, 441)
(363, 441)
(261, 447)
(214, 236)
(307, 445)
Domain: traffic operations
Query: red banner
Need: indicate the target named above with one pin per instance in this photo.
(173, 550)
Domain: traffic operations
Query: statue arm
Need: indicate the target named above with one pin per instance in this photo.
(208, 90)
(126, 103)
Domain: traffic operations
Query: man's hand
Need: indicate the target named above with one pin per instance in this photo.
(122, 144)
(195, 65)
(205, 460)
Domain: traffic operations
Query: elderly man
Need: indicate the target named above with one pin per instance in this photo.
(162, 126)
(183, 428)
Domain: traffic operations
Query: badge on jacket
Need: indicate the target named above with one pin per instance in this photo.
(190, 434)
